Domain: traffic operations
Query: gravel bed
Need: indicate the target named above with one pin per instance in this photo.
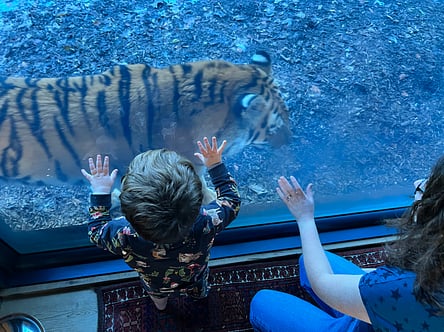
(364, 82)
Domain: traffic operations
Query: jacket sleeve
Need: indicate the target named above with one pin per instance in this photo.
(227, 204)
(102, 230)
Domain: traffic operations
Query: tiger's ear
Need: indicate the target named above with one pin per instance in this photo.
(263, 60)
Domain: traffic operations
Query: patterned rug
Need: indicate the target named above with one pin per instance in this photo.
(125, 307)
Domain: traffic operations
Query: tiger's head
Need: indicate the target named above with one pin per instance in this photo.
(262, 105)
(245, 106)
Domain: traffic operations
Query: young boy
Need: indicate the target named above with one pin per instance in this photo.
(167, 234)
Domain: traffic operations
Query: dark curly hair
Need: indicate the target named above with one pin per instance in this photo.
(420, 244)
(161, 195)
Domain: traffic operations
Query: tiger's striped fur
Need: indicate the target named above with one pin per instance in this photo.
(50, 126)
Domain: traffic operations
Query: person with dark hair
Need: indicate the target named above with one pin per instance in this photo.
(405, 294)
(167, 232)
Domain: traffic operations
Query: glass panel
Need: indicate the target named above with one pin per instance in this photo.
(363, 83)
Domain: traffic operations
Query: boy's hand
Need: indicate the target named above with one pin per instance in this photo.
(100, 179)
(210, 155)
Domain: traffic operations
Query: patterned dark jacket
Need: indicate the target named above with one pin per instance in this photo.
(169, 268)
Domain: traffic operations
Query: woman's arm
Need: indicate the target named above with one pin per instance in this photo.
(339, 291)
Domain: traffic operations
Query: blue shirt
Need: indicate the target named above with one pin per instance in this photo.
(387, 294)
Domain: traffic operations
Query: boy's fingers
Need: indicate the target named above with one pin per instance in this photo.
(214, 143)
(222, 146)
(85, 173)
(99, 161)
(92, 167)
(106, 165)
(114, 174)
(201, 147)
(200, 156)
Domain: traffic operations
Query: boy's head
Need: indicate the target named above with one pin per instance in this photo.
(161, 195)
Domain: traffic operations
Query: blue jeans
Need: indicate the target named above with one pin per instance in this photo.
(273, 311)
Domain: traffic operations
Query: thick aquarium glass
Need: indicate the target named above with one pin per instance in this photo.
(362, 82)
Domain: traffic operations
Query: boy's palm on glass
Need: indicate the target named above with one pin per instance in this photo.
(210, 154)
(99, 178)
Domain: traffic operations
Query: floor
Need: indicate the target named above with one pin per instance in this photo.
(74, 311)
(60, 306)
(72, 305)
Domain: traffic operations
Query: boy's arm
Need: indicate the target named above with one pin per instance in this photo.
(99, 216)
(227, 204)
(101, 231)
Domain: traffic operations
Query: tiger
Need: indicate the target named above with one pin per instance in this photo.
(50, 126)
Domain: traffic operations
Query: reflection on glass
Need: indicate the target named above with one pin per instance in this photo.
(361, 82)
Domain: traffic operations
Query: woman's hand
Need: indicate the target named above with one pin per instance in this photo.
(210, 154)
(99, 178)
(300, 203)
